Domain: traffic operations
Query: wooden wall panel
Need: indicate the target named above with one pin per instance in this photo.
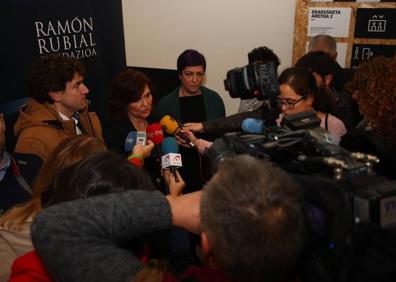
(301, 25)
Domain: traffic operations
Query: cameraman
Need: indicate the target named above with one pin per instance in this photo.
(374, 88)
(261, 54)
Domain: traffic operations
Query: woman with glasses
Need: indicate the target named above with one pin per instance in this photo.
(299, 93)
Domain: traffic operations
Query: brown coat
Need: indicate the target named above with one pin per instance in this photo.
(40, 129)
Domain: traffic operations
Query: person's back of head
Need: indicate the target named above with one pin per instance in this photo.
(251, 216)
(51, 73)
(100, 173)
(190, 58)
(374, 87)
(263, 54)
(318, 62)
(325, 43)
(70, 151)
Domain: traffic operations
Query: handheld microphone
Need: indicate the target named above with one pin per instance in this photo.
(154, 133)
(172, 127)
(171, 158)
(251, 125)
(133, 138)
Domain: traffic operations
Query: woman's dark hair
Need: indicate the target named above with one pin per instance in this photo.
(303, 82)
(319, 62)
(190, 58)
(263, 54)
(127, 87)
(101, 173)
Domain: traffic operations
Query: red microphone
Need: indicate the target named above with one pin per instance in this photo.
(154, 133)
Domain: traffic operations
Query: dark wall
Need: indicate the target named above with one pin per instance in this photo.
(164, 80)
(89, 30)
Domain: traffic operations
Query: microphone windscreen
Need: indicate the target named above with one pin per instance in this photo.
(251, 125)
(154, 133)
(169, 145)
(169, 125)
(130, 141)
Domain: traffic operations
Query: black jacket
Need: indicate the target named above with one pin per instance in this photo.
(365, 141)
(11, 192)
(218, 127)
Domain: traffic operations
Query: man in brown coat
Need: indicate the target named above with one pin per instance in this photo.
(57, 108)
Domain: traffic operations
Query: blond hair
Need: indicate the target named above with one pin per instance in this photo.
(70, 151)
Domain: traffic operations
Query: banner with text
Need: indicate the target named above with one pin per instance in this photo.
(330, 21)
(91, 31)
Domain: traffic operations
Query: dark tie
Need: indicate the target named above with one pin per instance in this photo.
(76, 116)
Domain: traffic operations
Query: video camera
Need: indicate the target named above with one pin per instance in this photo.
(339, 188)
(299, 146)
(256, 80)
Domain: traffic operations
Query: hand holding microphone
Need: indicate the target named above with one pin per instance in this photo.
(133, 138)
(172, 127)
(175, 187)
(144, 151)
(189, 135)
(194, 126)
(135, 143)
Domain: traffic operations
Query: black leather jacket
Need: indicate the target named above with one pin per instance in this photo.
(218, 127)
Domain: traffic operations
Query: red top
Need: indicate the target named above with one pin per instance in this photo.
(29, 268)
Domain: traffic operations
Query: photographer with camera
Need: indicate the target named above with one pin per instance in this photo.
(261, 54)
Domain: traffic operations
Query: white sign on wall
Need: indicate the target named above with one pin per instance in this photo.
(341, 53)
(330, 21)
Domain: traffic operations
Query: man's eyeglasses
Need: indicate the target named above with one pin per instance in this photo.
(288, 103)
